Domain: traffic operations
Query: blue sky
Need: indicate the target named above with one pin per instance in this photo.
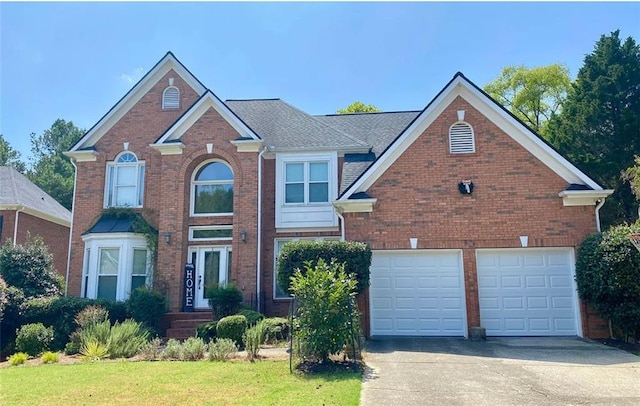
(76, 60)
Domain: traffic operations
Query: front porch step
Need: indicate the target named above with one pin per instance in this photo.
(181, 333)
(188, 323)
(182, 325)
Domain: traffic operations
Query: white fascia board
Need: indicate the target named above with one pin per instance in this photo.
(355, 206)
(36, 213)
(135, 94)
(209, 100)
(525, 137)
(248, 145)
(310, 150)
(173, 148)
(410, 134)
(82, 156)
(136, 237)
(583, 197)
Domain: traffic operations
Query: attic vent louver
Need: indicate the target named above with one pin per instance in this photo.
(171, 98)
(461, 139)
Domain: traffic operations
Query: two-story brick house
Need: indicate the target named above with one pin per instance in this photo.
(473, 219)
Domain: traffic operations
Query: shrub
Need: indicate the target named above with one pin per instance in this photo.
(126, 339)
(207, 331)
(355, 256)
(4, 297)
(252, 316)
(34, 338)
(98, 332)
(29, 267)
(276, 329)
(75, 343)
(232, 327)
(172, 351)
(224, 300)
(608, 277)
(12, 318)
(93, 351)
(147, 306)
(49, 357)
(326, 318)
(253, 339)
(152, 350)
(91, 315)
(18, 358)
(222, 349)
(193, 349)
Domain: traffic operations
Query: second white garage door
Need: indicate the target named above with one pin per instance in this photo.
(417, 293)
(527, 292)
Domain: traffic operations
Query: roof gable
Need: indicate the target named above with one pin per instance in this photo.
(167, 63)
(18, 193)
(461, 86)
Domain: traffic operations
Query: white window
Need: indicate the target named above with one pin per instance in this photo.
(461, 139)
(171, 98)
(211, 233)
(306, 182)
(279, 243)
(121, 264)
(125, 182)
(212, 190)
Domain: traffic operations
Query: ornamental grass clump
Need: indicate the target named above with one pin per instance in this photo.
(222, 349)
(253, 338)
(49, 357)
(126, 339)
(172, 351)
(18, 358)
(193, 349)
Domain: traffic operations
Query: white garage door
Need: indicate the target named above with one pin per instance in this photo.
(527, 292)
(417, 293)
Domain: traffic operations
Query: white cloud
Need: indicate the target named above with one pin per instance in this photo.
(133, 76)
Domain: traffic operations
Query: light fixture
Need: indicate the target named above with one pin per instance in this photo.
(465, 187)
(167, 237)
(243, 236)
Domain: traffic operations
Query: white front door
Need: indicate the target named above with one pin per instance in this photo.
(213, 267)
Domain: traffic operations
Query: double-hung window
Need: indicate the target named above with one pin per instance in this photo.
(306, 182)
(125, 182)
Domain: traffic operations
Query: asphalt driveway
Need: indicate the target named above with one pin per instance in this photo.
(505, 371)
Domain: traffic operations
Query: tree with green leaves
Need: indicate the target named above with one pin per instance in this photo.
(599, 126)
(359, 107)
(531, 94)
(632, 175)
(52, 171)
(9, 156)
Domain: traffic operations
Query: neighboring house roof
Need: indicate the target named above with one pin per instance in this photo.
(375, 129)
(459, 85)
(18, 193)
(286, 128)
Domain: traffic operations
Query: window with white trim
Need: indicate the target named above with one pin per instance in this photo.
(278, 244)
(171, 98)
(124, 182)
(212, 190)
(211, 233)
(461, 139)
(306, 182)
(121, 263)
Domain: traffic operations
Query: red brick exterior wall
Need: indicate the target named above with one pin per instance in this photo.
(55, 236)
(515, 194)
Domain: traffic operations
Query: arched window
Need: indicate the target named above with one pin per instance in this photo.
(212, 190)
(125, 181)
(461, 139)
(171, 98)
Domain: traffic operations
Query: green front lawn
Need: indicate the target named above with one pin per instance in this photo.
(162, 383)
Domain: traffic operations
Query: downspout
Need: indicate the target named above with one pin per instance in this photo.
(598, 207)
(259, 245)
(15, 226)
(342, 226)
(73, 209)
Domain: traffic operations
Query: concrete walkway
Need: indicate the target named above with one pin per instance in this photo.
(506, 371)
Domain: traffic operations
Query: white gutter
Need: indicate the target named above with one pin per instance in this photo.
(15, 226)
(259, 245)
(598, 207)
(73, 208)
(342, 226)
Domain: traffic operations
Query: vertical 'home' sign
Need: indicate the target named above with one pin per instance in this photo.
(189, 284)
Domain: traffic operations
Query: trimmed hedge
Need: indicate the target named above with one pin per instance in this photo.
(207, 331)
(147, 306)
(355, 256)
(224, 300)
(232, 327)
(608, 276)
(253, 317)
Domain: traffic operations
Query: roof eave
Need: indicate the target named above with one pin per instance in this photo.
(354, 206)
(583, 197)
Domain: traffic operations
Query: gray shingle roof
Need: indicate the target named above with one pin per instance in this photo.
(287, 128)
(376, 129)
(17, 190)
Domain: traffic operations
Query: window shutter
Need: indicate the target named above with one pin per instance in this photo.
(171, 98)
(461, 139)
